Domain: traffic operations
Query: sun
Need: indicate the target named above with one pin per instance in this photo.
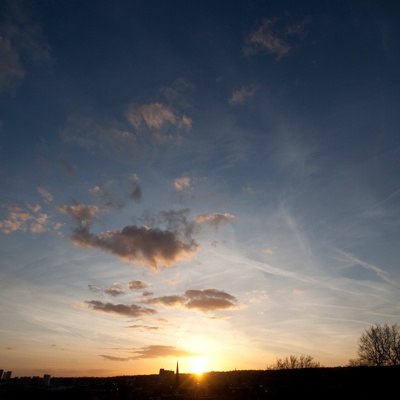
(198, 365)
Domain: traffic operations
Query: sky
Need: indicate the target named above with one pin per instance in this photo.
(212, 183)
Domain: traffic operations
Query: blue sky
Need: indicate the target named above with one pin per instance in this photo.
(213, 182)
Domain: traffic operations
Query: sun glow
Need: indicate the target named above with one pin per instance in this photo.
(199, 365)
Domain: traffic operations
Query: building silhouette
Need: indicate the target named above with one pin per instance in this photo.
(6, 375)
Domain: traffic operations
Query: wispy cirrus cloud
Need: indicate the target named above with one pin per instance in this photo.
(126, 310)
(100, 134)
(274, 38)
(145, 327)
(47, 196)
(241, 95)
(156, 116)
(352, 261)
(21, 39)
(203, 300)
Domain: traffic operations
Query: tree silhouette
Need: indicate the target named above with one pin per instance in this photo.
(379, 346)
(295, 362)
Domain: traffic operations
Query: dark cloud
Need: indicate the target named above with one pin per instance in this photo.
(202, 300)
(83, 215)
(209, 299)
(106, 196)
(147, 246)
(95, 289)
(135, 190)
(115, 290)
(177, 221)
(137, 285)
(127, 310)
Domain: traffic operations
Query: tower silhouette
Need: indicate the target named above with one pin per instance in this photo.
(177, 378)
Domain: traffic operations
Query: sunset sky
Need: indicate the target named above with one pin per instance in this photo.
(210, 182)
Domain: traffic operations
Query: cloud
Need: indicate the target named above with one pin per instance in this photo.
(143, 245)
(214, 219)
(115, 290)
(83, 215)
(257, 296)
(177, 221)
(156, 116)
(269, 250)
(106, 196)
(11, 71)
(156, 351)
(26, 220)
(112, 358)
(153, 351)
(138, 285)
(240, 96)
(182, 183)
(203, 300)
(20, 39)
(132, 310)
(100, 134)
(176, 93)
(148, 328)
(272, 39)
(354, 261)
(135, 192)
(48, 197)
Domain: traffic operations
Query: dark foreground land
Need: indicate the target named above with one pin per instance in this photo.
(316, 383)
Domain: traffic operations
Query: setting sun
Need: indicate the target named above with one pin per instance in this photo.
(198, 365)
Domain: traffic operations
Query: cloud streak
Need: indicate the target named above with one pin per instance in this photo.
(153, 351)
(132, 310)
(215, 220)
